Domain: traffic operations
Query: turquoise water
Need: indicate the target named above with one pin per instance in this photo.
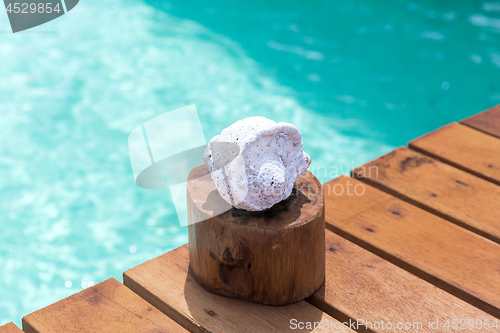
(357, 77)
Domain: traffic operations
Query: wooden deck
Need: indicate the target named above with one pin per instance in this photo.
(417, 242)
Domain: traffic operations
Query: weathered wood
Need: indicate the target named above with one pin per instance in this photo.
(106, 307)
(439, 188)
(10, 328)
(464, 148)
(166, 283)
(362, 286)
(442, 253)
(487, 121)
(273, 257)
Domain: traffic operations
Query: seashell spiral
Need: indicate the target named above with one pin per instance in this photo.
(255, 162)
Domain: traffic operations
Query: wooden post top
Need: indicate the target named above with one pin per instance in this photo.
(305, 198)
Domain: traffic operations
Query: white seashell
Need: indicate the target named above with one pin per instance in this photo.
(255, 162)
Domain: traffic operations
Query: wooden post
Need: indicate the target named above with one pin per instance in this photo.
(272, 257)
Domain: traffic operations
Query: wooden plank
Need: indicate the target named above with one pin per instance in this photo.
(487, 121)
(362, 286)
(464, 148)
(106, 307)
(439, 188)
(166, 283)
(10, 328)
(442, 253)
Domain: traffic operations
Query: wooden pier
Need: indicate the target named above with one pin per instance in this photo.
(419, 244)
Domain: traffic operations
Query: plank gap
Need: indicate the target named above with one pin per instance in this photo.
(337, 314)
(472, 300)
(423, 206)
(413, 147)
(479, 129)
(464, 148)
(167, 283)
(170, 312)
(487, 121)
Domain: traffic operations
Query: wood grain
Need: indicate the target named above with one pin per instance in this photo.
(442, 253)
(254, 256)
(439, 188)
(10, 328)
(464, 148)
(106, 307)
(487, 121)
(166, 283)
(361, 285)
